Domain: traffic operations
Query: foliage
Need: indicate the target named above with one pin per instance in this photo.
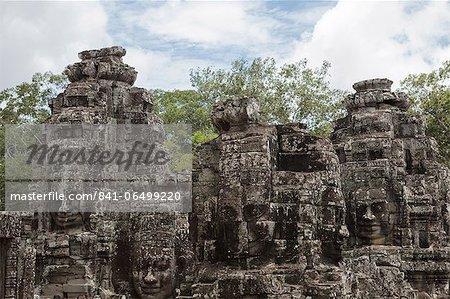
(430, 95)
(186, 107)
(291, 93)
(26, 103)
(199, 137)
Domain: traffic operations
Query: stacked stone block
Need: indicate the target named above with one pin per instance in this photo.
(272, 207)
(267, 207)
(17, 256)
(101, 92)
(396, 191)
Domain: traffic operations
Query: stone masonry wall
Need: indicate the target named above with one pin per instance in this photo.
(276, 211)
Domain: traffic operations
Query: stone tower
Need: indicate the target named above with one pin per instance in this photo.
(77, 253)
(396, 191)
(267, 208)
(277, 212)
(101, 91)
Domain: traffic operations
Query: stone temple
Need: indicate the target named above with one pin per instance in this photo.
(276, 212)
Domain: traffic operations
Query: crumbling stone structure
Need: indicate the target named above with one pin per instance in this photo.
(273, 205)
(101, 92)
(396, 192)
(71, 254)
(17, 256)
(276, 211)
(79, 248)
(267, 207)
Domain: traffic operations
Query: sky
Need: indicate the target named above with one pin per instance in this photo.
(165, 40)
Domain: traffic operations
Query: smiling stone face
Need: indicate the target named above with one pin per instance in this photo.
(372, 222)
(68, 219)
(154, 278)
(154, 265)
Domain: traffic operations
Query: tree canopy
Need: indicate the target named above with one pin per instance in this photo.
(293, 92)
(26, 102)
(430, 96)
(289, 93)
(186, 107)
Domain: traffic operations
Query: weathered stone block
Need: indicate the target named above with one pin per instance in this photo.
(284, 212)
(230, 288)
(255, 284)
(287, 178)
(309, 162)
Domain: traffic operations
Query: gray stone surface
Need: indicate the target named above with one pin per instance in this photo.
(396, 192)
(362, 216)
(277, 212)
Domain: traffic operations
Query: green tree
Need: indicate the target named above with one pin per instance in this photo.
(291, 93)
(430, 95)
(26, 103)
(186, 107)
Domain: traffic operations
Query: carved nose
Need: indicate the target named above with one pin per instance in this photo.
(343, 232)
(150, 278)
(368, 215)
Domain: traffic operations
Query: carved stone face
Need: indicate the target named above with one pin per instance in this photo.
(154, 268)
(68, 219)
(334, 232)
(372, 222)
(260, 231)
(156, 281)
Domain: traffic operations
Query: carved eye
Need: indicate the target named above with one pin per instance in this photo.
(162, 264)
(377, 207)
(146, 265)
(361, 210)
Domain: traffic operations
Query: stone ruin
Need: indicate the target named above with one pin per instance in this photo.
(276, 211)
(396, 192)
(267, 207)
(101, 91)
(74, 254)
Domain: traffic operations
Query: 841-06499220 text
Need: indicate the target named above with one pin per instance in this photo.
(100, 196)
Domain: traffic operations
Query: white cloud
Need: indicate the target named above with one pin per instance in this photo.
(378, 39)
(161, 70)
(361, 40)
(211, 23)
(308, 16)
(42, 36)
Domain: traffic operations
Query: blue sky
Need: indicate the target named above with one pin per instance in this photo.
(164, 40)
